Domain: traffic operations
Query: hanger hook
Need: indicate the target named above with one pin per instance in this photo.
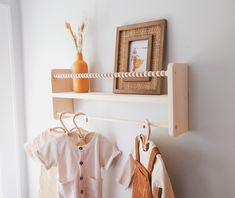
(147, 123)
(75, 116)
(146, 140)
(61, 121)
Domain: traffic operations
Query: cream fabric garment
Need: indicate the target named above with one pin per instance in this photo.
(47, 180)
(80, 168)
(160, 180)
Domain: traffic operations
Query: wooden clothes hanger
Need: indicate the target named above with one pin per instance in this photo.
(84, 135)
(145, 140)
(81, 134)
(78, 135)
(81, 131)
(63, 128)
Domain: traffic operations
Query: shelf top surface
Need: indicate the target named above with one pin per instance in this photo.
(107, 96)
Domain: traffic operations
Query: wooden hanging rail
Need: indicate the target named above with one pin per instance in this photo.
(176, 99)
(113, 75)
(116, 120)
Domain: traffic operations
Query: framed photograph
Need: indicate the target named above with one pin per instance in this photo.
(139, 56)
(139, 48)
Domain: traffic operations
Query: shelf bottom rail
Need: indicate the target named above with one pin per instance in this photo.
(108, 119)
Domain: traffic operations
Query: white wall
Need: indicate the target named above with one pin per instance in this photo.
(8, 168)
(1, 186)
(12, 105)
(201, 33)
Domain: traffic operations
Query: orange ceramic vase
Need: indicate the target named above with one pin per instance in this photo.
(80, 85)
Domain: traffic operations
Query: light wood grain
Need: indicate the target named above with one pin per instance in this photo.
(61, 85)
(177, 98)
(104, 96)
(62, 105)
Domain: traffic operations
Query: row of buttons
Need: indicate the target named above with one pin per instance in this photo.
(81, 163)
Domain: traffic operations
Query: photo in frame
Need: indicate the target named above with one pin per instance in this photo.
(139, 48)
(139, 56)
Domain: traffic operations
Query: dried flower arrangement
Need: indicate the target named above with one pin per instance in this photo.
(77, 39)
(79, 65)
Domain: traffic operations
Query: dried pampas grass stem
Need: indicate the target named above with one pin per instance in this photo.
(78, 41)
(68, 26)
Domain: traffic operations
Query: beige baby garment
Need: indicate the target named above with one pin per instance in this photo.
(160, 181)
(80, 168)
(47, 180)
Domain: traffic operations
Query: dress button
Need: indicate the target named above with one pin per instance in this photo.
(81, 162)
(81, 178)
(80, 148)
(81, 191)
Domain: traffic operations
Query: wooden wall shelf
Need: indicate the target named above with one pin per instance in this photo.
(106, 96)
(177, 98)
